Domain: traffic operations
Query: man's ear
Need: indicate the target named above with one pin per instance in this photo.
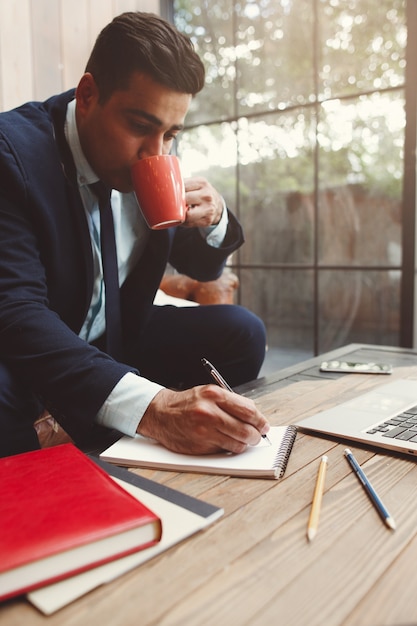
(86, 93)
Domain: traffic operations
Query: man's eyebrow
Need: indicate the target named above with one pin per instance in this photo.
(153, 119)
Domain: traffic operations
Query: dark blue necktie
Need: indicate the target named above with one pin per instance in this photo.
(110, 271)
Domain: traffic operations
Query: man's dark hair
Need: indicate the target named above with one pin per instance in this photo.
(144, 42)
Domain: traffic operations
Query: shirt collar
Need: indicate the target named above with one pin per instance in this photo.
(85, 174)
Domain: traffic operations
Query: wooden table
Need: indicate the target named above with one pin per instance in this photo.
(255, 566)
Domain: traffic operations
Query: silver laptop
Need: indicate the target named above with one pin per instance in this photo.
(385, 417)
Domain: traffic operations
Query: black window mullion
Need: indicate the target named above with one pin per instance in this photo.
(409, 184)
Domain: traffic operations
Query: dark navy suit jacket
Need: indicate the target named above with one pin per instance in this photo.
(46, 270)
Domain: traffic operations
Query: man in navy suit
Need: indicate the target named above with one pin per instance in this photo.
(129, 104)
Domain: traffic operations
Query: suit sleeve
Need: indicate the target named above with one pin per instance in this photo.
(191, 255)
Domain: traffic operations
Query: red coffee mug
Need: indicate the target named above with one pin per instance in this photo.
(159, 189)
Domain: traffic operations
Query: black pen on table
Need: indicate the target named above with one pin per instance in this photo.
(375, 499)
(222, 383)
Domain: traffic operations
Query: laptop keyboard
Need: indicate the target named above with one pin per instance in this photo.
(402, 426)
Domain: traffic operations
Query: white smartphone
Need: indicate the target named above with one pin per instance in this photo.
(350, 367)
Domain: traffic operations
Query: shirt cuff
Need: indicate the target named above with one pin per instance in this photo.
(214, 235)
(127, 403)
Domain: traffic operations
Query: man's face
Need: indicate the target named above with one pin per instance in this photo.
(133, 124)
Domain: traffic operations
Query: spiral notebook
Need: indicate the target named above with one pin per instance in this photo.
(261, 461)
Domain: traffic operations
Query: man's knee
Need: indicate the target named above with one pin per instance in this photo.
(243, 344)
(247, 327)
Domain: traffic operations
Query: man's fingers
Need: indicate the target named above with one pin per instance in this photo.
(203, 420)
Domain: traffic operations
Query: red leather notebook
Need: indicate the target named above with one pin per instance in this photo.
(61, 514)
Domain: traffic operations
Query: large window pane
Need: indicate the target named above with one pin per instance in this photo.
(276, 180)
(273, 69)
(361, 168)
(210, 25)
(359, 227)
(211, 151)
(362, 45)
(284, 299)
(358, 306)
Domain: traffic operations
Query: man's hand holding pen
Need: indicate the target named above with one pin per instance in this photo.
(203, 420)
(215, 374)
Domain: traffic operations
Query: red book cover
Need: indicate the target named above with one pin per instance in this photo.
(61, 514)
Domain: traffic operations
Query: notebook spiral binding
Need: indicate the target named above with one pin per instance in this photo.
(283, 454)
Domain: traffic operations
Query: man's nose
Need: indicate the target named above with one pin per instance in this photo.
(152, 146)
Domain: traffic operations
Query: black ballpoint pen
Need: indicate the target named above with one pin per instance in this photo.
(222, 383)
